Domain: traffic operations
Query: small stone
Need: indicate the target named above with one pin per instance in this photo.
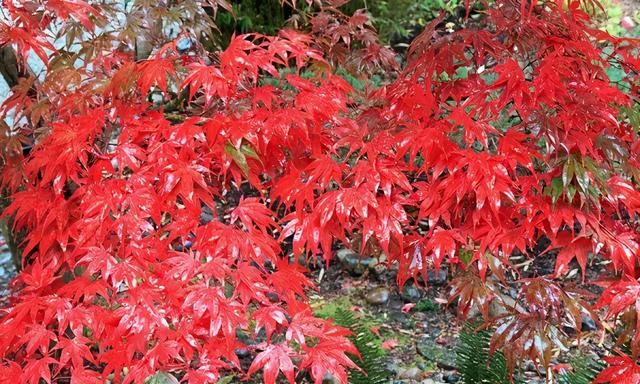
(343, 253)
(442, 340)
(451, 378)
(437, 278)
(328, 379)
(310, 262)
(356, 265)
(378, 269)
(588, 324)
(206, 215)
(353, 263)
(529, 366)
(242, 353)
(411, 293)
(391, 368)
(497, 307)
(412, 373)
(378, 296)
(443, 356)
(434, 278)
(157, 98)
(273, 297)
(183, 45)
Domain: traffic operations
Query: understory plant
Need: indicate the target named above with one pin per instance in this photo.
(478, 364)
(371, 361)
(168, 186)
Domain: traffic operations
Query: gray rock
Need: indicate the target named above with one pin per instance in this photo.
(328, 379)
(430, 381)
(391, 368)
(379, 269)
(587, 324)
(413, 373)
(497, 307)
(451, 378)
(378, 296)
(435, 278)
(242, 353)
(7, 271)
(161, 377)
(206, 215)
(311, 262)
(273, 297)
(529, 366)
(342, 253)
(443, 356)
(184, 44)
(411, 293)
(353, 263)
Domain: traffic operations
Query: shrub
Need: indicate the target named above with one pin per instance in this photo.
(154, 237)
(163, 197)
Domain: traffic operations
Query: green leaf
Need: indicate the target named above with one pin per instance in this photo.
(568, 170)
(615, 73)
(582, 177)
(556, 189)
(161, 377)
(461, 73)
(633, 114)
(465, 256)
(248, 151)
(240, 155)
(571, 192)
(225, 380)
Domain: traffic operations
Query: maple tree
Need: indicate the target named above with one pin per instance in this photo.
(163, 195)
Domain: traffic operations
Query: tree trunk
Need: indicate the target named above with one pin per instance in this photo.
(9, 65)
(11, 238)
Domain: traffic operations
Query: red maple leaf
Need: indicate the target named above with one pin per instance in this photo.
(273, 359)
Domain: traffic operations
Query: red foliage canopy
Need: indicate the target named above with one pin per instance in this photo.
(141, 257)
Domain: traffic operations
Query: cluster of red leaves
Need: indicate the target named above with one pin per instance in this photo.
(492, 138)
(528, 145)
(124, 276)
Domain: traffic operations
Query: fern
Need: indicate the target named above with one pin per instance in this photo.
(474, 363)
(476, 367)
(372, 355)
(584, 371)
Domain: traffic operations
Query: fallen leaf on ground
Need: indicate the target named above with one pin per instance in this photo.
(407, 307)
(389, 344)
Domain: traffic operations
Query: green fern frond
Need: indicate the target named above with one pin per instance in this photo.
(372, 360)
(473, 360)
(476, 367)
(584, 371)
